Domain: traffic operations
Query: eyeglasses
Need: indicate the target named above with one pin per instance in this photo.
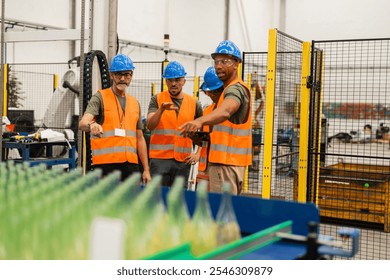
(224, 62)
(174, 80)
(123, 74)
(216, 91)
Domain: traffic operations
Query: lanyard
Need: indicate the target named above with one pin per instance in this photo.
(117, 108)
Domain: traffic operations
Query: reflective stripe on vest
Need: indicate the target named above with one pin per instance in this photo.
(112, 133)
(116, 149)
(231, 144)
(165, 140)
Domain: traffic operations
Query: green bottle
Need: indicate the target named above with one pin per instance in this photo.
(228, 228)
(203, 229)
(147, 215)
(178, 216)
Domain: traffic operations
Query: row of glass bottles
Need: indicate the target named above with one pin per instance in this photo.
(46, 214)
(207, 234)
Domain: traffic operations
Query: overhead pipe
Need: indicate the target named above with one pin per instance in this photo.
(226, 25)
(72, 48)
(112, 29)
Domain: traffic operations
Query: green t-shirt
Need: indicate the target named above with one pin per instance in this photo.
(238, 93)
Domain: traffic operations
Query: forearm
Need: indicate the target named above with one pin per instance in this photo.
(85, 122)
(217, 116)
(143, 153)
(153, 119)
(227, 108)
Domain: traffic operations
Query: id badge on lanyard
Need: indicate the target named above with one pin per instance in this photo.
(120, 132)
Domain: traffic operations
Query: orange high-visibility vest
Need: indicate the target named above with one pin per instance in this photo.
(165, 140)
(116, 149)
(203, 152)
(231, 144)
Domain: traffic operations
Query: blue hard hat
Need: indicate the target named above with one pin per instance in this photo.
(174, 70)
(211, 80)
(229, 48)
(121, 62)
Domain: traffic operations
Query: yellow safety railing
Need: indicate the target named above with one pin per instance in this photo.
(55, 82)
(5, 93)
(165, 87)
(269, 114)
(304, 124)
(196, 87)
(153, 90)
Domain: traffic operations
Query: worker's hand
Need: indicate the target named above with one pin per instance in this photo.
(96, 129)
(195, 138)
(188, 128)
(198, 138)
(146, 178)
(168, 106)
(192, 159)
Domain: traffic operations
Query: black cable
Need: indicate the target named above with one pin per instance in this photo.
(87, 90)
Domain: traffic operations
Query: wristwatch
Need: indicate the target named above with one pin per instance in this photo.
(89, 125)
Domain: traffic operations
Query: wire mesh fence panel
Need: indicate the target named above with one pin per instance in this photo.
(42, 96)
(316, 123)
(286, 115)
(36, 97)
(354, 177)
(146, 82)
(203, 98)
(254, 72)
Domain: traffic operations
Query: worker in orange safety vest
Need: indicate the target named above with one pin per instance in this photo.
(170, 153)
(113, 119)
(231, 137)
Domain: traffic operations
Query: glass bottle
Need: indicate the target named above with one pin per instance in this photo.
(203, 229)
(148, 216)
(228, 229)
(178, 216)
